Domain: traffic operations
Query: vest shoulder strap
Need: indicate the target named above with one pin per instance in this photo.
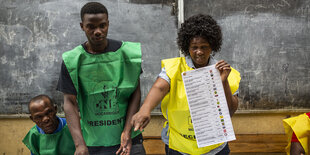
(29, 142)
(131, 49)
(175, 65)
(72, 56)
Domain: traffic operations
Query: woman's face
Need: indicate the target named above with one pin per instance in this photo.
(200, 51)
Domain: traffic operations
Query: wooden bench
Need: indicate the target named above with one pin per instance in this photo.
(245, 144)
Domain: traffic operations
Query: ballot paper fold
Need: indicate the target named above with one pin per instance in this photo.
(208, 106)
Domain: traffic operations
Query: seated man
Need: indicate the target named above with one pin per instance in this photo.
(297, 130)
(50, 135)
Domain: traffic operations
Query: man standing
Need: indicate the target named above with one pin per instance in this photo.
(50, 135)
(100, 79)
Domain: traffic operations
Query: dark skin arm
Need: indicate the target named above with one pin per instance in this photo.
(297, 149)
(133, 107)
(73, 121)
(161, 87)
(158, 91)
(232, 101)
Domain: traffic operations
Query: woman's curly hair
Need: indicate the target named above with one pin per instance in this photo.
(199, 26)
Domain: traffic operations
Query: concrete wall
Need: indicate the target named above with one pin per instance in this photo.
(12, 131)
(267, 41)
(34, 34)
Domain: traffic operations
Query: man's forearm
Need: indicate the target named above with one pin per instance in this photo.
(133, 107)
(73, 120)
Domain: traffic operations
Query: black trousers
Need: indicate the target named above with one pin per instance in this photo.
(169, 151)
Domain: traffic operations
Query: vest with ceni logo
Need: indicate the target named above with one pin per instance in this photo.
(175, 108)
(104, 84)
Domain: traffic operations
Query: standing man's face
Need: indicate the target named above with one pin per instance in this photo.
(96, 28)
(44, 115)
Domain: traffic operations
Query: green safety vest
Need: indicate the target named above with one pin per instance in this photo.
(104, 84)
(59, 143)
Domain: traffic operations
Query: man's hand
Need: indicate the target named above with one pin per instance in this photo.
(140, 120)
(224, 69)
(125, 147)
(81, 150)
(73, 122)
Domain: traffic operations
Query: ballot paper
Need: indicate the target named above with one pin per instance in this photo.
(208, 106)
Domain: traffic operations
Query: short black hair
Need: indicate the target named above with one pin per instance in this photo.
(93, 8)
(39, 98)
(199, 25)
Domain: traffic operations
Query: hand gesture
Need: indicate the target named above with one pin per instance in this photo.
(224, 69)
(140, 120)
(81, 150)
(126, 144)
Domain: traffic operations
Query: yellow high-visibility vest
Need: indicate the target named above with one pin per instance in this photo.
(300, 125)
(175, 108)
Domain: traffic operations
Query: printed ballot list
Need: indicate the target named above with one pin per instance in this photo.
(208, 106)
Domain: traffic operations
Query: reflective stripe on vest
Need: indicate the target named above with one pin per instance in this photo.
(175, 108)
(104, 84)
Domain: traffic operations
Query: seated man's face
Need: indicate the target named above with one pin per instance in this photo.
(44, 115)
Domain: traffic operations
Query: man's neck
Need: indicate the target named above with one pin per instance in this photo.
(96, 49)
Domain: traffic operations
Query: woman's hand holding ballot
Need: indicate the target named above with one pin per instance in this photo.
(224, 69)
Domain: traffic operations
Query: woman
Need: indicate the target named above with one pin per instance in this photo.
(197, 38)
